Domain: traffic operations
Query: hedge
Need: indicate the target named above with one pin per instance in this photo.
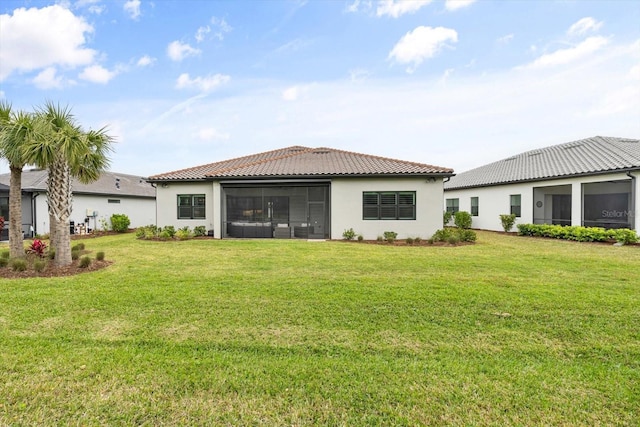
(578, 234)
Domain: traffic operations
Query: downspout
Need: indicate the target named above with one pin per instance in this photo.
(634, 197)
(156, 188)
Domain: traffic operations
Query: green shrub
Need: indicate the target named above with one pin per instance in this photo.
(625, 236)
(120, 223)
(454, 235)
(409, 241)
(85, 262)
(446, 218)
(390, 236)
(184, 233)
(18, 264)
(75, 254)
(349, 234)
(467, 235)
(441, 235)
(507, 220)
(39, 265)
(100, 256)
(578, 233)
(453, 239)
(4, 262)
(379, 239)
(5, 254)
(462, 219)
(199, 231)
(165, 235)
(360, 237)
(147, 232)
(78, 247)
(169, 230)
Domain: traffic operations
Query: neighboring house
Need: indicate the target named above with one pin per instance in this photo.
(93, 203)
(301, 192)
(590, 182)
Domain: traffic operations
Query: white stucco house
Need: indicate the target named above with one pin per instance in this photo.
(302, 192)
(592, 182)
(112, 193)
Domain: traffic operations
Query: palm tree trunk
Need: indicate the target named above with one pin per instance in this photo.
(52, 231)
(60, 199)
(16, 239)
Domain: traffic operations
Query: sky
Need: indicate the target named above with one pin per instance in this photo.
(452, 83)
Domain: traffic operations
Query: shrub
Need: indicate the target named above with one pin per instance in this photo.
(507, 221)
(417, 240)
(578, 234)
(5, 254)
(75, 255)
(184, 233)
(38, 248)
(467, 235)
(85, 262)
(453, 239)
(147, 232)
(199, 231)
(379, 239)
(454, 235)
(462, 219)
(441, 235)
(164, 235)
(100, 256)
(390, 236)
(446, 218)
(120, 223)
(78, 247)
(4, 262)
(349, 234)
(39, 265)
(360, 237)
(409, 241)
(625, 236)
(169, 230)
(18, 264)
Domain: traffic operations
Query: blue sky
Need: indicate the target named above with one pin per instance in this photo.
(450, 83)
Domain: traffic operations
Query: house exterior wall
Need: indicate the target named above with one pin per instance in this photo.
(141, 211)
(167, 204)
(495, 200)
(346, 207)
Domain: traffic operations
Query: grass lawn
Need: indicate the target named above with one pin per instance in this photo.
(509, 331)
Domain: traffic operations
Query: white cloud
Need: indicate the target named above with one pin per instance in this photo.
(132, 8)
(359, 5)
(52, 36)
(145, 61)
(221, 25)
(48, 79)
(565, 56)
(211, 134)
(291, 94)
(453, 5)
(634, 72)
(420, 44)
(97, 74)
(177, 51)
(505, 39)
(397, 8)
(201, 33)
(584, 26)
(204, 84)
(359, 75)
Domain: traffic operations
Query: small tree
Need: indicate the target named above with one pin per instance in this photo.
(120, 223)
(507, 221)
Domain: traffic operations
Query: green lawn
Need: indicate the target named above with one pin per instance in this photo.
(509, 331)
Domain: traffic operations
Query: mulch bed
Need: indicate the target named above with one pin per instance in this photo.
(53, 271)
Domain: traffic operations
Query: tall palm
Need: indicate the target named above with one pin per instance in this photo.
(17, 130)
(66, 151)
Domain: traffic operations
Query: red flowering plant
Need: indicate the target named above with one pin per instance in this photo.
(38, 247)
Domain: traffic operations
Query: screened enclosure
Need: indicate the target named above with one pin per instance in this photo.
(276, 211)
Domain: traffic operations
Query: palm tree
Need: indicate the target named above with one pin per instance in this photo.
(17, 129)
(66, 151)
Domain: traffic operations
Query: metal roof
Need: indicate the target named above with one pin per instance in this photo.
(298, 161)
(109, 183)
(596, 155)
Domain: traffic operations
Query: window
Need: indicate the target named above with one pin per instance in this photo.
(191, 206)
(474, 206)
(515, 204)
(453, 205)
(392, 205)
(113, 200)
(4, 209)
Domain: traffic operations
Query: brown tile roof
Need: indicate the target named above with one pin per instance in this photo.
(300, 161)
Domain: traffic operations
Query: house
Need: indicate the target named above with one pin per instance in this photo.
(302, 192)
(592, 182)
(93, 203)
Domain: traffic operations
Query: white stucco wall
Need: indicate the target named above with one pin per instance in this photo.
(346, 207)
(495, 200)
(167, 204)
(141, 211)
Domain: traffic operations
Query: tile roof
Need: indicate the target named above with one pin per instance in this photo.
(595, 155)
(109, 183)
(300, 161)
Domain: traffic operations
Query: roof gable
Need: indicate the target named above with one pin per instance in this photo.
(594, 155)
(298, 161)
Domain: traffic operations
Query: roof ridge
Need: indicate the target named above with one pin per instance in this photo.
(223, 161)
(385, 158)
(290, 153)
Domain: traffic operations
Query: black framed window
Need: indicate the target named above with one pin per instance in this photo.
(474, 206)
(389, 205)
(516, 204)
(453, 205)
(191, 206)
(4, 209)
(113, 200)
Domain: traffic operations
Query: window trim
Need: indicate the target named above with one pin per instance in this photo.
(455, 207)
(389, 205)
(476, 211)
(192, 206)
(515, 208)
